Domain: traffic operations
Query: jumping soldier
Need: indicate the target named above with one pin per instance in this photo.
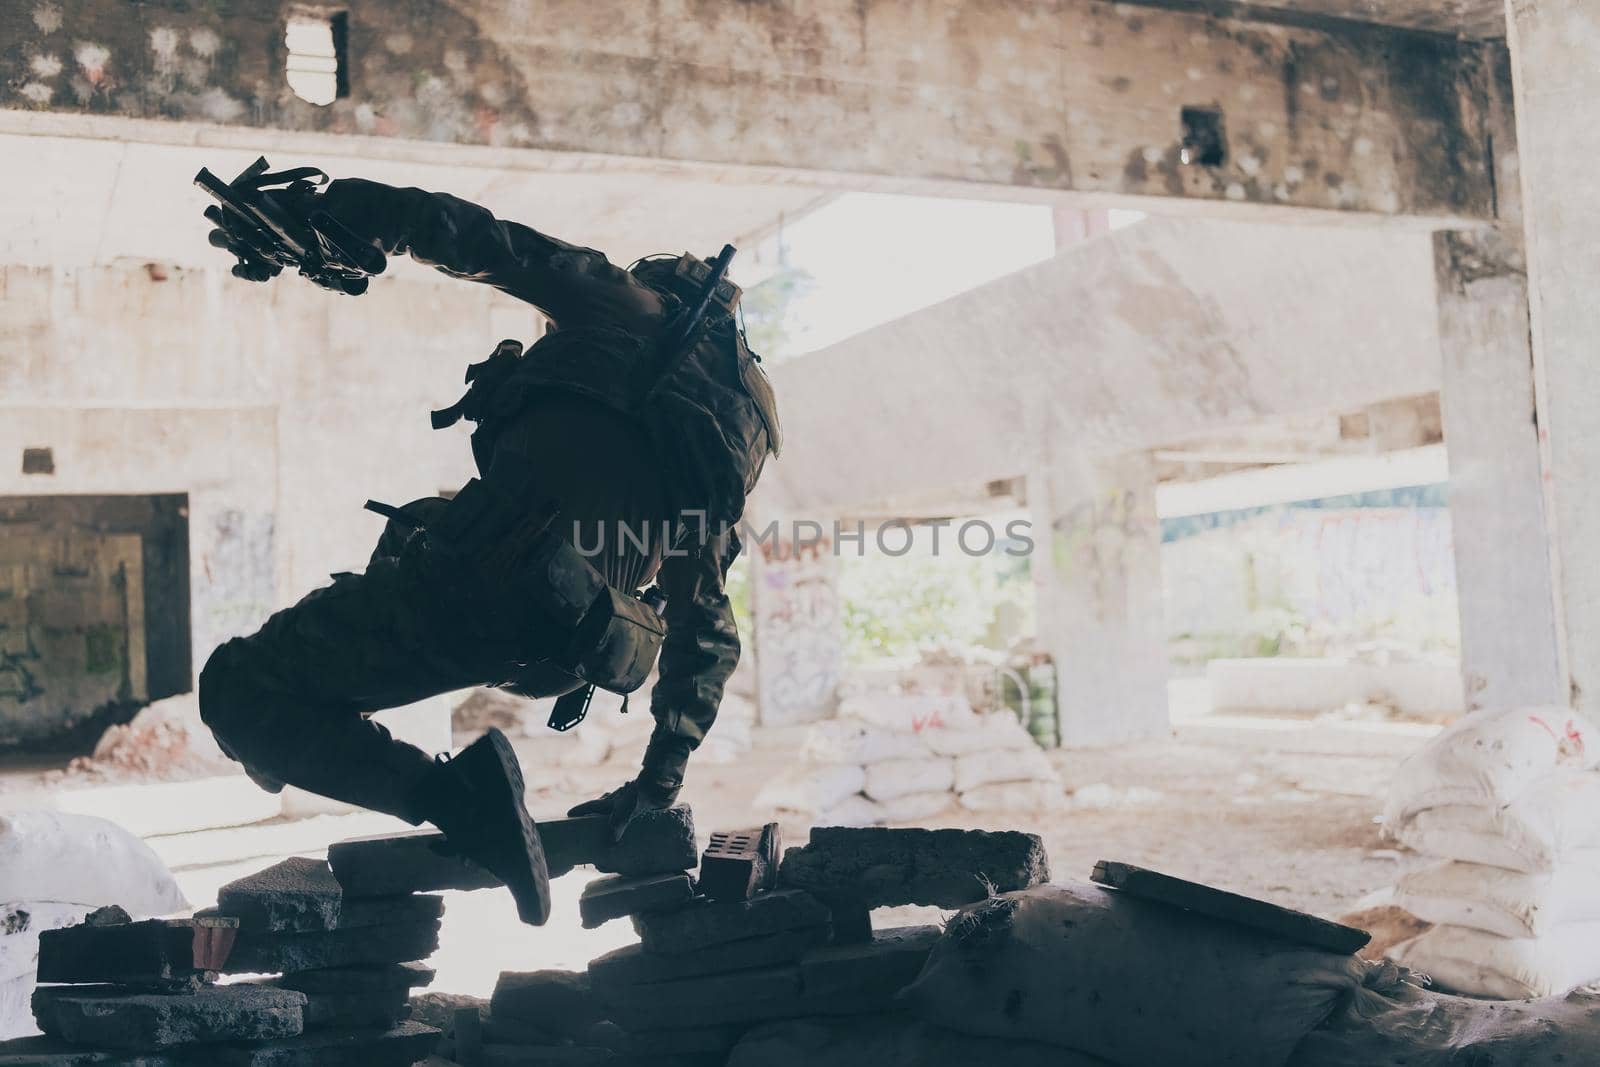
(640, 406)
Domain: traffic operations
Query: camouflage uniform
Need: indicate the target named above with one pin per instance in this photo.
(565, 422)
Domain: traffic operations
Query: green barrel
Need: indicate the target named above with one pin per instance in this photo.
(1042, 719)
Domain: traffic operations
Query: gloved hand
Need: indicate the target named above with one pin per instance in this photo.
(626, 803)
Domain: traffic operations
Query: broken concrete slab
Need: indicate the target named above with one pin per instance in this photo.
(890, 961)
(851, 920)
(706, 923)
(108, 1017)
(518, 1032)
(367, 1007)
(616, 896)
(390, 911)
(359, 979)
(690, 995)
(560, 1002)
(704, 1040)
(1258, 915)
(738, 864)
(396, 864)
(656, 842)
(365, 945)
(46, 1051)
(887, 866)
(156, 952)
(298, 894)
(439, 1009)
(398, 1046)
(632, 965)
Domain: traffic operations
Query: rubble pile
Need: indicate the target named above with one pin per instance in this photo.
(318, 960)
(748, 943)
(341, 967)
(905, 757)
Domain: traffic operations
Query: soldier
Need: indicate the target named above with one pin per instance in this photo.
(600, 422)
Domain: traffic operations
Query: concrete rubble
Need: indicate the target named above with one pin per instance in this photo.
(705, 973)
(331, 973)
(331, 954)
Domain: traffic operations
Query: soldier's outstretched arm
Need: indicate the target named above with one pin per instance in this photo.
(697, 658)
(569, 284)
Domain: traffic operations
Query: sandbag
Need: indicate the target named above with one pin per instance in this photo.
(1549, 825)
(888, 1041)
(81, 859)
(1490, 757)
(1015, 796)
(16, 1010)
(914, 713)
(1462, 960)
(1423, 1028)
(997, 731)
(896, 778)
(1501, 902)
(1134, 982)
(845, 741)
(21, 923)
(1018, 765)
(812, 787)
(914, 807)
(854, 810)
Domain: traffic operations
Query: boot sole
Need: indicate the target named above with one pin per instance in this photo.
(531, 892)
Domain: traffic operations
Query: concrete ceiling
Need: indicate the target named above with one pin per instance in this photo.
(77, 201)
(1476, 19)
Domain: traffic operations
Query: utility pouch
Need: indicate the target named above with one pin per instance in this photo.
(621, 637)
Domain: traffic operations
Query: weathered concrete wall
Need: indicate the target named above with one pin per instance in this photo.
(1053, 96)
(279, 409)
(1136, 339)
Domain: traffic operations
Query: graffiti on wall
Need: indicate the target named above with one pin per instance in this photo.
(798, 627)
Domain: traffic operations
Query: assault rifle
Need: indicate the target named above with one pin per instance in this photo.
(269, 221)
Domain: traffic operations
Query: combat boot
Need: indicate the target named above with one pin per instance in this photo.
(476, 799)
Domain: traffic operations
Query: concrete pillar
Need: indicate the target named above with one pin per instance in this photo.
(1509, 645)
(1097, 576)
(1554, 45)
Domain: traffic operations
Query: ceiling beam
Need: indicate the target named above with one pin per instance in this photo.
(1076, 100)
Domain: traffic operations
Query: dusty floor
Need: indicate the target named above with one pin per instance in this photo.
(1281, 809)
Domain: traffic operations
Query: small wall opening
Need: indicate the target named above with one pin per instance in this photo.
(318, 68)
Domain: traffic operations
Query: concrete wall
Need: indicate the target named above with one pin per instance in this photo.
(278, 409)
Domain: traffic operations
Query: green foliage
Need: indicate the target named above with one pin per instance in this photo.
(767, 309)
(738, 589)
(896, 607)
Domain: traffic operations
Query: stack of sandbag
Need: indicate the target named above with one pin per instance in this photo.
(1132, 982)
(1506, 802)
(896, 758)
(55, 868)
(1393, 1020)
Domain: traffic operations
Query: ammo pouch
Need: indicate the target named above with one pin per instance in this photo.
(524, 576)
(611, 637)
